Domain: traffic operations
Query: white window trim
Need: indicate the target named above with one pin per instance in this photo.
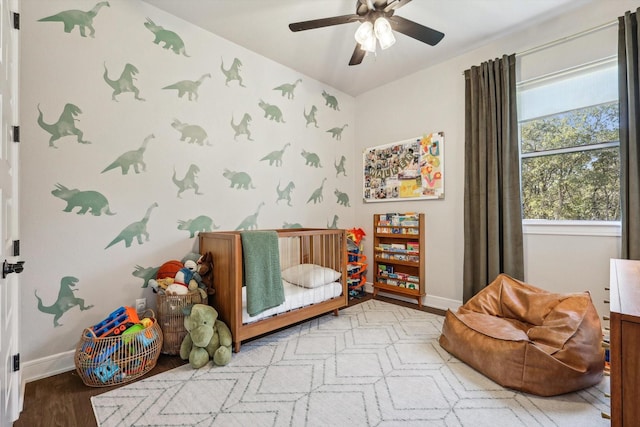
(572, 228)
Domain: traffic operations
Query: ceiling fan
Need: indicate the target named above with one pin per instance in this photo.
(368, 12)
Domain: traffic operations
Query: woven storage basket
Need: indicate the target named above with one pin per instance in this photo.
(171, 318)
(105, 361)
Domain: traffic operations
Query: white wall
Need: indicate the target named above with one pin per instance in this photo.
(432, 100)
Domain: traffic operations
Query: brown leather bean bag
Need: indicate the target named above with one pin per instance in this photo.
(528, 339)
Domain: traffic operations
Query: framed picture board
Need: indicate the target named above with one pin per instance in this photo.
(412, 169)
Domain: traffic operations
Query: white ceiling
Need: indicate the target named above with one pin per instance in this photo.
(323, 54)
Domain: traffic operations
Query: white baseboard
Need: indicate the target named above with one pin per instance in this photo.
(430, 301)
(48, 366)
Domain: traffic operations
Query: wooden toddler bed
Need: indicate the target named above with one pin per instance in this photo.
(322, 250)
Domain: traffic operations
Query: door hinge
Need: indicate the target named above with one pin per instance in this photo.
(16, 133)
(16, 362)
(16, 248)
(16, 20)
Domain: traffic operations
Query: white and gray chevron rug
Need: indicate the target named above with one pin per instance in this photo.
(377, 364)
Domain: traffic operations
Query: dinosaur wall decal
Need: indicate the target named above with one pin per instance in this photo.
(343, 198)
(79, 18)
(271, 112)
(317, 196)
(131, 158)
(134, 230)
(66, 300)
(276, 156)
(311, 117)
(242, 128)
(287, 89)
(334, 223)
(250, 222)
(88, 201)
(124, 82)
(238, 179)
(285, 193)
(340, 166)
(188, 182)
(64, 126)
(197, 224)
(330, 100)
(191, 133)
(170, 39)
(190, 87)
(311, 159)
(337, 132)
(145, 273)
(233, 73)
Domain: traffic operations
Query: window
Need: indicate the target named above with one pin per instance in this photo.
(569, 148)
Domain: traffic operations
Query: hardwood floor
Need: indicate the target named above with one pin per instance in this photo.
(63, 400)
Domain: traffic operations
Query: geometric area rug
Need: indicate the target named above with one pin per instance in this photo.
(376, 364)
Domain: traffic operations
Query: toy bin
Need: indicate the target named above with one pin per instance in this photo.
(171, 318)
(120, 357)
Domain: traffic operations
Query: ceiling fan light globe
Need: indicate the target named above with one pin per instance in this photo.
(364, 32)
(384, 33)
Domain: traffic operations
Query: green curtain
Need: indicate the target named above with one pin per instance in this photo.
(492, 202)
(629, 94)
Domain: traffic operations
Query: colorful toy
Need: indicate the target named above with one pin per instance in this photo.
(356, 262)
(182, 280)
(117, 322)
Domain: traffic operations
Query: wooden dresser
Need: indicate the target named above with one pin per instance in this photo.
(625, 342)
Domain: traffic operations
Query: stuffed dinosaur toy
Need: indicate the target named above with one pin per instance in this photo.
(207, 338)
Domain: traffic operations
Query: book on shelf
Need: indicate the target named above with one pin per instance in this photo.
(413, 246)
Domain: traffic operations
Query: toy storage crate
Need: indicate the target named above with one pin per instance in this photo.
(171, 318)
(106, 361)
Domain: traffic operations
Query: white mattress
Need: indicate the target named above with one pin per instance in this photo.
(295, 297)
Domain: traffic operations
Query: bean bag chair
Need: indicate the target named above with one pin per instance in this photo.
(528, 339)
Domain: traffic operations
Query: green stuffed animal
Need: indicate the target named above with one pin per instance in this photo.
(208, 338)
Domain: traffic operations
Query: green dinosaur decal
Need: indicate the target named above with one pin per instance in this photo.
(233, 73)
(340, 166)
(74, 17)
(145, 274)
(285, 193)
(131, 158)
(312, 159)
(65, 301)
(124, 83)
(271, 112)
(241, 179)
(250, 222)
(291, 225)
(334, 224)
(189, 180)
(317, 196)
(194, 133)
(64, 126)
(337, 132)
(276, 156)
(288, 88)
(311, 117)
(189, 87)
(242, 128)
(134, 230)
(330, 100)
(343, 198)
(170, 39)
(199, 223)
(88, 201)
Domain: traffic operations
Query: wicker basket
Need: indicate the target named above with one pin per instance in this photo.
(171, 318)
(105, 361)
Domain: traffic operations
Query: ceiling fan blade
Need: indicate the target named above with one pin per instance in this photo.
(358, 55)
(417, 31)
(323, 22)
(395, 5)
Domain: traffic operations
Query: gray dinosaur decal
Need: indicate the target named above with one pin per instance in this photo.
(74, 17)
(242, 128)
(343, 198)
(134, 230)
(188, 182)
(340, 166)
(271, 112)
(145, 273)
(288, 88)
(239, 179)
(124, 82)
(250, 222)
(189, 87)
(334, 223)
(170, 39)
(233, 73)
(88, 201)
(191, 133)
(291, 225)
(276, 156)
(337, 132)
(330, 100)
(66, 300)
(317, 196)
(197, 224)
(311, 117)
(285, 193)
(131, 158)
(64, 126)
(311, 159)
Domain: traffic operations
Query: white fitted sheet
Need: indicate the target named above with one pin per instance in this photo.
(295, 297)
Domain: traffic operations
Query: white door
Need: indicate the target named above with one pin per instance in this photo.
(9, 244)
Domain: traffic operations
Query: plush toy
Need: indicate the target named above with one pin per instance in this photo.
(182, 279)
(207, 338)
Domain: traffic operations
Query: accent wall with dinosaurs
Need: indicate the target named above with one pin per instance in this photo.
(139, 130)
